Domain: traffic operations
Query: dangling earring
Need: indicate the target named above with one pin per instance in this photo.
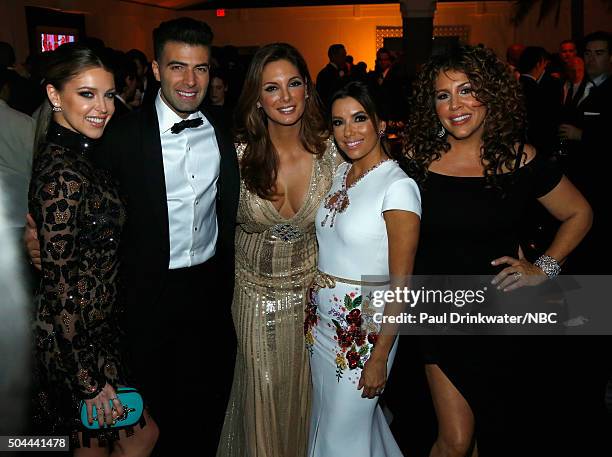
(258, 105)
(381, 134)
(442, 132)
(56, 108)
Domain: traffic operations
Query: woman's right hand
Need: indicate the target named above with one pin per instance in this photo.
(107, 403)
(30, 240)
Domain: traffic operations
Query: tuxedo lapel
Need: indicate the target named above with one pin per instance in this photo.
(228, 192)
(577, 97)
(227, 184)
(599, 97)
(153, 171)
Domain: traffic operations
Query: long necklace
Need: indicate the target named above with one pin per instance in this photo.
(339, 200)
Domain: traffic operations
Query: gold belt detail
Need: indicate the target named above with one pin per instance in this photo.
(323, 280)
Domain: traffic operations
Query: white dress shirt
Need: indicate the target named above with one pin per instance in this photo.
(191, 169)
(16, 150)
(566, 88)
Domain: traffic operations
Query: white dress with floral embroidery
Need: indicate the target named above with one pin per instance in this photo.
(340, 330)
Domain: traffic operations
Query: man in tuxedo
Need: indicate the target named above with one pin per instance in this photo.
(542, 98)
(334, 75)
(387, 85)
(589, 161)
(126, 84)
(593, 99)
(179, 175)
(148, 86)
(589, 167)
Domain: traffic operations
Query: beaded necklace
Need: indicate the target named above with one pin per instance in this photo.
(339, 200)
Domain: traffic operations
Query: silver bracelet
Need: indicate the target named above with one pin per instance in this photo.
(548, 265)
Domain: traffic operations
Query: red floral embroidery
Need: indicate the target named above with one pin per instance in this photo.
(354, 339)
(354, 317)
(353, 359)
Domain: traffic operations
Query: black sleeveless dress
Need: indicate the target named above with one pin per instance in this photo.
(465, 225)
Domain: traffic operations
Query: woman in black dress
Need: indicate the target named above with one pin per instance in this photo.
(466, 151)
(80, 215)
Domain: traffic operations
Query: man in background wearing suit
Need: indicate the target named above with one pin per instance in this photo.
(589, 159)
(334, 75)
(180, 178)
(589, 167)
(542, 99)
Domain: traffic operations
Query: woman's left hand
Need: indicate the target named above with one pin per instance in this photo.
(519, 273)
(373, 377)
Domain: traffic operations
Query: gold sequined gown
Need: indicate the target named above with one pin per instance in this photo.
(268, 410)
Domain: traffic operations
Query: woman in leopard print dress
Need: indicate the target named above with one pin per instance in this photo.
(79, 216)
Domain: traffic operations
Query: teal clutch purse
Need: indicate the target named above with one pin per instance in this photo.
(133, 408)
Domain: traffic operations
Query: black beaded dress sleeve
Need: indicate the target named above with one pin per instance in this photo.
(78, 307)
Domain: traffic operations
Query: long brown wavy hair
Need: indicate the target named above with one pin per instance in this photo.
(493, 86)
(259, 164)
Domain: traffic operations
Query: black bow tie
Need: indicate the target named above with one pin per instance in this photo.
(186, 124)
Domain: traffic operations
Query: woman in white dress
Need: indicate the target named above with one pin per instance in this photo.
(367, 225)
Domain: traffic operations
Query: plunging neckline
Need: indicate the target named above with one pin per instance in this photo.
(305, 200)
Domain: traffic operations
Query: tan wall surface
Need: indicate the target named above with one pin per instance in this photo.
(311, 29)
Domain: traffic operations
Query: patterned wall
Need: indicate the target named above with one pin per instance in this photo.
(461, 31)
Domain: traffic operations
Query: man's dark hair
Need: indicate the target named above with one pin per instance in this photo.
(383, 50)
(7, 54)
(123, 67)
(531, 56)
(182, 30)
(334, 49)
(221, 74)
(567, 41)
(137, 54)
(599, 36)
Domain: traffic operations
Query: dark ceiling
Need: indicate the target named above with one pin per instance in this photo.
(229, 4)
(214, 4)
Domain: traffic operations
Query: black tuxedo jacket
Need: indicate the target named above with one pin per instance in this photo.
(121, 110)
(328, 82)
(132, 151)
(596, 114)
(543, 104)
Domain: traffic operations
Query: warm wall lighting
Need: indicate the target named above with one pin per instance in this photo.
(220, 12)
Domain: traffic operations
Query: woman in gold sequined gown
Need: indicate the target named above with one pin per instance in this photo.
(287, 164)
